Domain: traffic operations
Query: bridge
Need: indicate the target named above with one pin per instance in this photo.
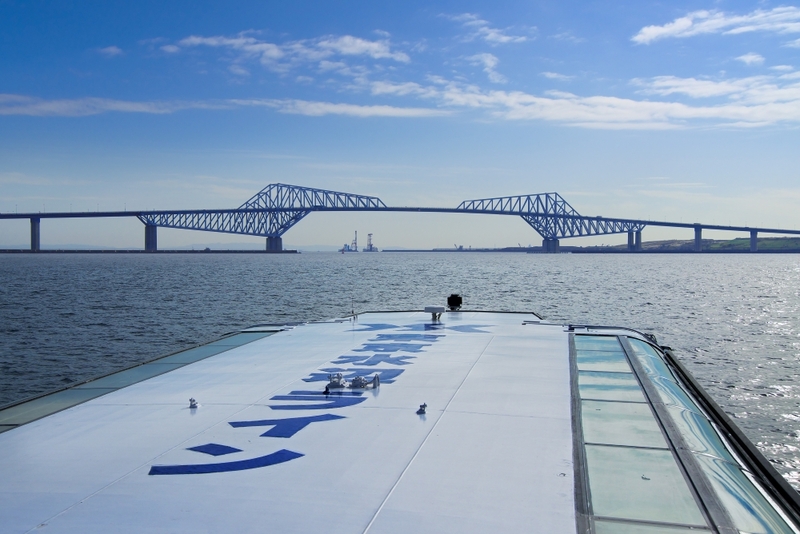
(278, 207)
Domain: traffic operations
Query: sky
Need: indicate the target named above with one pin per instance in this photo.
(682, 111)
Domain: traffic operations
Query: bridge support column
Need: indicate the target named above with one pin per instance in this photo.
(275, 244)
(35, 234)
(753, 241)
(150, 238)
(550, 246)
(630, 242)
(698, 238)
(637, 244)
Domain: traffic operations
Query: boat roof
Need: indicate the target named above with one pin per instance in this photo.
(468, 422)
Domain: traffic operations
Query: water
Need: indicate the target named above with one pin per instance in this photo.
(733, 319)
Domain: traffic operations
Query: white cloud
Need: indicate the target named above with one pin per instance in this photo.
(482, 30)
(750, 91)
(284, 56)
(170, 49)
(488, 62)
(403, 89)
(318, 109)
(793, 44)
(692, 87)
(780, 20)
(81, 107)
(110, 51)
(353, 46)
(751, 58)
(557, 76)
(782, 68)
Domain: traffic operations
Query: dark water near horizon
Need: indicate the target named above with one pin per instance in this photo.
(733, 319)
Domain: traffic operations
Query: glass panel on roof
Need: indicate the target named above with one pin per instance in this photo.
(609, 386)
(593, 360)
(195, 355)
(240, 339)
(640, 484)
(620, 423)
(748, 508)
(650, 359)
(698, 433)
(672, 394)
(618, 527)
(609, 343)
(36, 408)
(131, 376)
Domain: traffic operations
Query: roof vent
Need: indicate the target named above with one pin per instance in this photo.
(435, 311)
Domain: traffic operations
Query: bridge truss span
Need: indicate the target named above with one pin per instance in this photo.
(550, 215)
(283, 196)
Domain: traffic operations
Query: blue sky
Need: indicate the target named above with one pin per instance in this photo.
(684, 111)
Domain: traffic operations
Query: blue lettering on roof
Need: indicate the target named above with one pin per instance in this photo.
(329, 402)
(286, 428)
(407, 337)
(375, 326)
(376, 359)
(381, 347)
(214, 449)
(278, 457)
(392, 347)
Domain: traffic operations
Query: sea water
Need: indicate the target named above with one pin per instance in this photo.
(732, 319)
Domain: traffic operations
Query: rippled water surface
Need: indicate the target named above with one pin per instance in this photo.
(733, 319)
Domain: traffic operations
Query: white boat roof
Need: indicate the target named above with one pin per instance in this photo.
(502, 444)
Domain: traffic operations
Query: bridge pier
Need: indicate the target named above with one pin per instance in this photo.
(753, 241)
(637, 245)
(150, 238)
(550, 245)
(274, 244)
(630, 242)
(35, 234)
(698, 238)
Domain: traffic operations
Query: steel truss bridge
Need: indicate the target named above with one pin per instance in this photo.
(278, 207)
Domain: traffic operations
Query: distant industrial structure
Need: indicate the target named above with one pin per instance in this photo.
(352, 247)
(278, 207)
(370, 247)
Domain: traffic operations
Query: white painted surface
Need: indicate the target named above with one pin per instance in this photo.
(494, 450)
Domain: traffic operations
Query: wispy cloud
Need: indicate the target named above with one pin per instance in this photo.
(38, 107)
(557, 76)
(318, 109)
(481, 29)
(81, 107)
(353, 46)
(488, 62)
(110, 51)
(751, 58)
(750, 102)
(568, 36)
(764, 90)
(780, 20)
(281, 57)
